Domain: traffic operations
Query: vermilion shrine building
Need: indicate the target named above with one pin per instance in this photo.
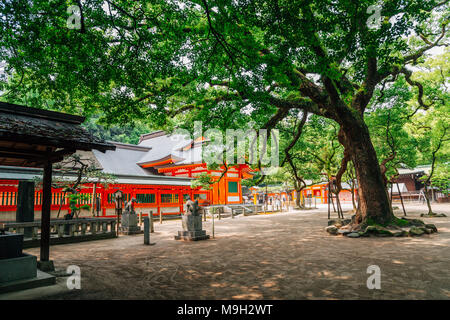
(157, 172)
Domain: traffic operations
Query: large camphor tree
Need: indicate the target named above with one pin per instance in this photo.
(166, 59)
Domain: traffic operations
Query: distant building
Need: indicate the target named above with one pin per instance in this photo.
(410, 178)
(316, 192)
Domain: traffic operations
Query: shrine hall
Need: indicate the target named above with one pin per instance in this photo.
(157, 172)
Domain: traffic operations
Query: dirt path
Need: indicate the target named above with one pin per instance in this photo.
(277, 256)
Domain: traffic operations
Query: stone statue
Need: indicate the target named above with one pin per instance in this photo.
(129, 223)
(192, 223)
(129, 206)
(192, 208)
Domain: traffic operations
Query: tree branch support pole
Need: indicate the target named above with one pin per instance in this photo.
(45, 264)
(213, 211)
(401, 200)
(339, 207)
(392, 191)
(328, 198)
(266, 200)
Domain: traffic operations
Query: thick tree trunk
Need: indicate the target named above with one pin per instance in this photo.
(298, 201)
(374, 205)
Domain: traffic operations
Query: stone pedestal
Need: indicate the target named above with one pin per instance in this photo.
(129, 224)
(18, 270)
(192, 229)
(11, 245)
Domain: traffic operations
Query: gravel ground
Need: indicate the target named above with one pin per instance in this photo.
(273, 256)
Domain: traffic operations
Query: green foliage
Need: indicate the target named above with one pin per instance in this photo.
(431, 128)
(323, 144)
(228, 63)
(126, 133)
(203, 180)
(74, 202)
(441, 178)
(304, 164)
(153, 60)
(73, 173)
(387, 121)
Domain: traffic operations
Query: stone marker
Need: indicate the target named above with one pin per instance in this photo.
(152, 226)
(25, 205)
(147, 231)
(192, 224)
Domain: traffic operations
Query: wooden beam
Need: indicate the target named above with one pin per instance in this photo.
(22, 156)
(55, 142)
(19, 151)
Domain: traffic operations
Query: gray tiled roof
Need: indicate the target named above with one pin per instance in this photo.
(164, 146)
(122, 161)
(127, 159)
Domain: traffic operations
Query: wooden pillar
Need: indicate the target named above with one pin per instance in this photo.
(93, 202)
(104, 200)
(158, 204)
(45, 215)
(180, 200)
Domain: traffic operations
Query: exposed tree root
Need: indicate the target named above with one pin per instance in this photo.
(397, 227)
(433, 215)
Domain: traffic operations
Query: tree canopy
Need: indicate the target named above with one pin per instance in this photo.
(224, 62)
